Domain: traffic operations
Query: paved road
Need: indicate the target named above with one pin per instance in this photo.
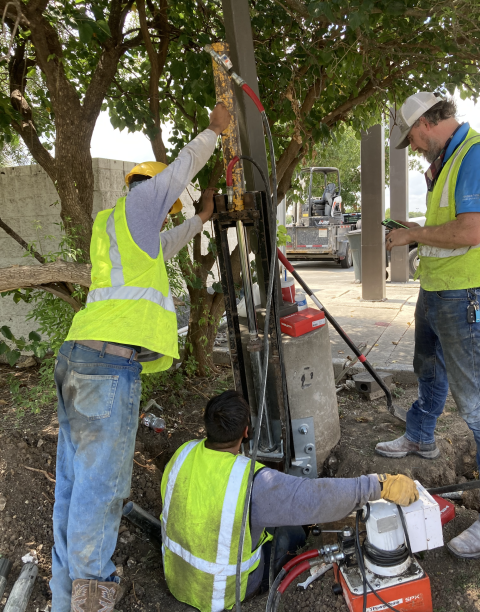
(386, 327)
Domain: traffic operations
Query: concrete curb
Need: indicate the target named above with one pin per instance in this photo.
(402, 373)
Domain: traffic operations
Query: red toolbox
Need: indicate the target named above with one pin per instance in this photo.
(302, 322)
(447, 509)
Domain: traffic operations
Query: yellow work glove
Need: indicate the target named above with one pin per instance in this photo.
(398, 489)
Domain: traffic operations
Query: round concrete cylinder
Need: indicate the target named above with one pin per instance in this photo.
(311, 387)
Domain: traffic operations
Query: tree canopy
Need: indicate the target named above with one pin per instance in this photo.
(322, 66)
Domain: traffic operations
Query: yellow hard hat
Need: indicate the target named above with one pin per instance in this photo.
(151, 169)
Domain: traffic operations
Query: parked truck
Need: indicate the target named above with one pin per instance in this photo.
(319, 229)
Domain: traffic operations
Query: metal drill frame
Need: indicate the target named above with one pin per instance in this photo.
(256, 217)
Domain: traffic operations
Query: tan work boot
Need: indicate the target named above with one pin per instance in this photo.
(467, 544)
(401, 447)
(93, 596)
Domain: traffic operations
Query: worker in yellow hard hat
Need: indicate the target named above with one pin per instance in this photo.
(129, 324)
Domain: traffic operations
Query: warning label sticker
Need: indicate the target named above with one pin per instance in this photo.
(383, 607)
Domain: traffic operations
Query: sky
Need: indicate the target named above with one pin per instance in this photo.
(113, 144)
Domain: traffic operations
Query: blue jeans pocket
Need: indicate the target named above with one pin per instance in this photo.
(94, 394)
(453, 295)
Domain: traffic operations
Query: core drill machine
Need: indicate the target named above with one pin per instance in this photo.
(279, 380)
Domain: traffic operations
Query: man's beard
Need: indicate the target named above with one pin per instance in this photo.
(432, 151)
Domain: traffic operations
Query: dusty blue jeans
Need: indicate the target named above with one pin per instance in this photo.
(98, 404)
(447, 352)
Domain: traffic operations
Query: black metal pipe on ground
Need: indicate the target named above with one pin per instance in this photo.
(22, 589)
(463, 486)
(5, 567)
(142, 519)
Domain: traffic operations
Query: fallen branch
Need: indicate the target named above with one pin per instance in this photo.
(45, 276)
(46, 474)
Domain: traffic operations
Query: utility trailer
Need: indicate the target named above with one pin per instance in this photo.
(319, 229)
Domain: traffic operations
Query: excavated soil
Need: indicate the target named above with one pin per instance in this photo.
(29, 441)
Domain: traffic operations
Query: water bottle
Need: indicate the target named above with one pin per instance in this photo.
(156, 423)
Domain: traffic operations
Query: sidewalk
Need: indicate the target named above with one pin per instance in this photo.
(387, 327)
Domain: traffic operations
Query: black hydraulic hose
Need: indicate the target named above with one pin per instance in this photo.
(271, 569)
(263, 382)
(339, 330)
(464, 486)
(272, 595)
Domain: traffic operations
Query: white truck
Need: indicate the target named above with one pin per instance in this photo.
(319, 229)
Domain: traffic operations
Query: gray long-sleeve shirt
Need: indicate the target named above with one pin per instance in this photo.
(280, 500)
(148, 204)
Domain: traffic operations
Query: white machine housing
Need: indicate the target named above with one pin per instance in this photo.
(385, 530)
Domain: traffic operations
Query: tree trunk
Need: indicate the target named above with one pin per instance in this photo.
(205, 314)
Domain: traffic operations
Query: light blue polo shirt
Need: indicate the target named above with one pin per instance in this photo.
(467, 189)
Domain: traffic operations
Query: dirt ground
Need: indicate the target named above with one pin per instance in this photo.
(26, 495)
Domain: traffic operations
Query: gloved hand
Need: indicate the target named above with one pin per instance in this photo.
(398, 489)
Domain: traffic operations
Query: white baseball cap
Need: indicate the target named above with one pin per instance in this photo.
(412, 109)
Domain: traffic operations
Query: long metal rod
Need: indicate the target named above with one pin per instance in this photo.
(343, 334)
(267, 442)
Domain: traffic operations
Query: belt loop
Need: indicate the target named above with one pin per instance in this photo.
(132, 356)
(104, 348)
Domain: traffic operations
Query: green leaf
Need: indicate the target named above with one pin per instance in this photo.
(39, 351)
(103, 25)
(13, 357)
(85, 32)
(217, 287)
(6, 332)
(34, 336)
(3, 348)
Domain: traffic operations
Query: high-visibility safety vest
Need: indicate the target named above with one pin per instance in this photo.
(448, 269)
(129, 300)
(203, 495)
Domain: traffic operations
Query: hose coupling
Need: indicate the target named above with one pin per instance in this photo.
(225, 62)
(230, 197)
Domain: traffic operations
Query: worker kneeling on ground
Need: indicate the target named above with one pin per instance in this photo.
(204, 489)
(97, 374)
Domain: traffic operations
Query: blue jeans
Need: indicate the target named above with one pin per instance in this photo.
(447, 352)
(98, 405)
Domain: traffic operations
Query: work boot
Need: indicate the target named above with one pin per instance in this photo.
(93, 596)
(467, 544)
(401, 447)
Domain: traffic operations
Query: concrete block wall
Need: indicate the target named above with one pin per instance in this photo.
(30, 205)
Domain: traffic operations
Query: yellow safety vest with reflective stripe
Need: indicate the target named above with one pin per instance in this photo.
(129, 300)
(203, 494)
(448, 269)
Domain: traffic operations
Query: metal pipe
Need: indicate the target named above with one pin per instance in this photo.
(150, 525)
(22, 589)
(5, 567)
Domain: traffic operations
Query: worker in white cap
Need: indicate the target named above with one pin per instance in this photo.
(447, 316)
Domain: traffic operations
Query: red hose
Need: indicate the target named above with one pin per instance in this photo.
(251, 94)
(230, 170)
(309, 554)
(296, 571)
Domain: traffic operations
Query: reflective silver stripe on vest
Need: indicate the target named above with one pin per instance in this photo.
(116, 273)
(221, 569)
(431, 251)
(208, 566)
(172, 477)
(132, 293)
(226, 529)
